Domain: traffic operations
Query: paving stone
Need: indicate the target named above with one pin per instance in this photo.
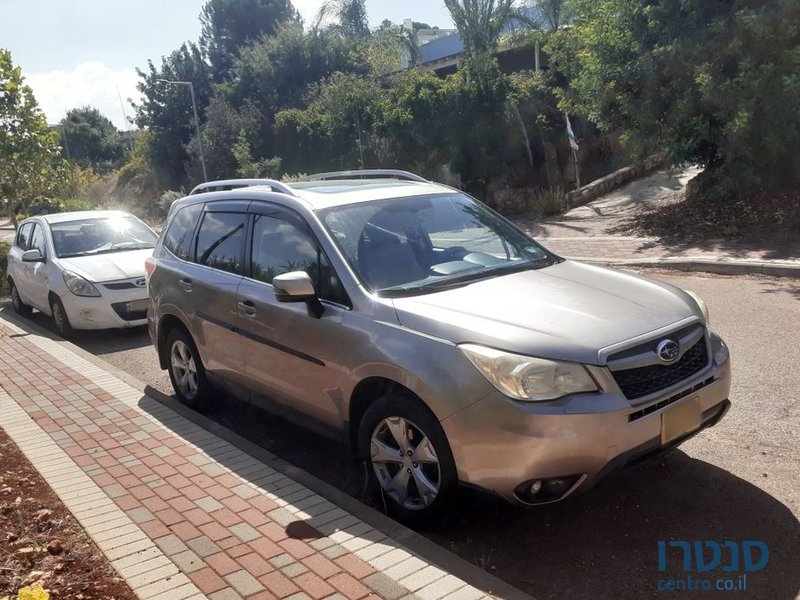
(188, 561)
(140, 515)
(440, 588)
(334, 551)
(208, 504)
(170, 544)
(245, 532)
(421, 578)
(294, 569)
(226, 594)
(281, 560)
(203, 546)
(244, 491)
(244, 583)
(384, 586)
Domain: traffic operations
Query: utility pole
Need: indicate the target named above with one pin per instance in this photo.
(196, 121)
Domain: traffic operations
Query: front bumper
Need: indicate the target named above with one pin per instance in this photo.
(112, 310)
(499, 444)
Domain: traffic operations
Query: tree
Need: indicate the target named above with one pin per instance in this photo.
(349, 16)
(230, 25)
(391, 48)
(166, 109)
(712, 82)
(277, 72)
(480, 22)
(30, 157)
(221, 132)
(90, 139)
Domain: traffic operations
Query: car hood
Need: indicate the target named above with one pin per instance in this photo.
(108, 267)
(568, 311)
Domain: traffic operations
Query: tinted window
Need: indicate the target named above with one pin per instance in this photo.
(178, 238)
(37, 240)
(281, 246)
(220, 241)
(24, 236)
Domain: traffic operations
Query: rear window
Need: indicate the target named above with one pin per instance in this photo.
(178, 238)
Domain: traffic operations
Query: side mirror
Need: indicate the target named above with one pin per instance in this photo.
(32, 256)
(297, 287)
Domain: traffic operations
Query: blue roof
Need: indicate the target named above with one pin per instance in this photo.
(441, 48)
(453, 45)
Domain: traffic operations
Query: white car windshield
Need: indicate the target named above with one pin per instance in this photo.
(422, 244)
(100, 236)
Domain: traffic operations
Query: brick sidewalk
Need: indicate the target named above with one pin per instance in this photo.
(181, 513)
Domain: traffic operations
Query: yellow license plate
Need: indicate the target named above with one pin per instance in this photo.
(680, 420)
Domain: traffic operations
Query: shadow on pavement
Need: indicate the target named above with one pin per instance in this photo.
(100, 342)
(603, 544)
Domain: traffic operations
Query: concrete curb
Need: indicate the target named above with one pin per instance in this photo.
(720, 267)
(437, 555)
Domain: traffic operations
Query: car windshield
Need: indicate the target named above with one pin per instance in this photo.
(422, 244)
(86, 237)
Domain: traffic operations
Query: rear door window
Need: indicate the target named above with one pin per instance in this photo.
(220, 241)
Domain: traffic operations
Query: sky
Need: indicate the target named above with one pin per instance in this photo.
(75, 53)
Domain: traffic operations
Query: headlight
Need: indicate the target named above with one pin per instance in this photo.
(78, 285)
(528, 378)
(701, 304)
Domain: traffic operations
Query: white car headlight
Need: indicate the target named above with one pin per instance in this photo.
(526, 377)
(79, 286)
(701, 304)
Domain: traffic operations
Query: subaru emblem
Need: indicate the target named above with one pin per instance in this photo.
(668, 351)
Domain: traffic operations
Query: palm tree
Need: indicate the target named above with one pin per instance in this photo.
(480, 22)
(349, 16)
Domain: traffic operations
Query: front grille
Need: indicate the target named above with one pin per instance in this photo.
(131, 311)
(642, 381)
(122, 285)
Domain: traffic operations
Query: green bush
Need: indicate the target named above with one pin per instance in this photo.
(75, 204)
(548, 202)
(4, 248)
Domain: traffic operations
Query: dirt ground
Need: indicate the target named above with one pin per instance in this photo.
(41, 543)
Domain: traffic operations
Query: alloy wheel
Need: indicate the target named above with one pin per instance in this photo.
(184, 369)
(405, 463)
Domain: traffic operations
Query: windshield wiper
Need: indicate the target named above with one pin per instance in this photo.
(459, 280)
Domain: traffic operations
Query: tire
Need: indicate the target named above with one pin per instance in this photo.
(20, 307)
(60, 318)
(186, 371)
(418, 496)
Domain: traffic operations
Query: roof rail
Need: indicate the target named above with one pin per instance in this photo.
(367, 174)
(232, 184)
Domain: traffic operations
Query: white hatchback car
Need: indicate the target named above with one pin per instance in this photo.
(86, 269)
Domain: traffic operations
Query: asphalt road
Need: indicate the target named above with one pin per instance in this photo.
(737, 481)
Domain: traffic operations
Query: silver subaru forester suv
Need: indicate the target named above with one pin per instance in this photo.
(437, 339)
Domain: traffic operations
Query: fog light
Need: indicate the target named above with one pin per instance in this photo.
(539, 491)
(86, 313)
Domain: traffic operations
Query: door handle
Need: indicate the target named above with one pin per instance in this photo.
(186, 284)
(248, 308)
